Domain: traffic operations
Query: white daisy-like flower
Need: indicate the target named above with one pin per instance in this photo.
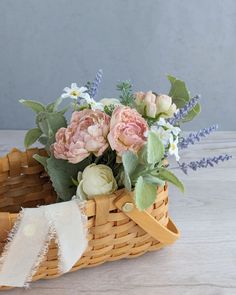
(173, 149)
(75, 92)
(94, 104)
(173, 129)
(164, 135)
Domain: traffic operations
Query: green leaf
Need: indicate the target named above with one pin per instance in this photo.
(75, 182)
(166, 175)
(43, 140)
(179, 92)
(50, 107)
(57, 103)
(42, 160)
(155, 148)
(193, 113)
(130, 162)
(61, 173)
(145, 194)
(148, 178)
(49, 123)
(33, 105)
(180, 96)
(31, 136)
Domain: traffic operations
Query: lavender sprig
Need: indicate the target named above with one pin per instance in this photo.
(203, 163)
(183, 112)
(192, 138)
(95, 84)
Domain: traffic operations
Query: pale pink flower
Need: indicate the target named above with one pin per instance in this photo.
(86, 134)
(146, 103)
(165, 107)
(127, 130)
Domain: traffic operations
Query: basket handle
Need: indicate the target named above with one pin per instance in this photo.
(165, 234)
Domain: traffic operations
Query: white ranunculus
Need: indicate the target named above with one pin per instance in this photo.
(165, 107)
(109, 101)
(95, 180)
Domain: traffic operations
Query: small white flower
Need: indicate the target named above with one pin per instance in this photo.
(164, 135)
(94, 104)
(173, 129)
(173, 149)
(75, 92)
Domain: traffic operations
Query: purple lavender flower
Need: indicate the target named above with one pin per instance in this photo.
(203, 163)
(192, 138)
(95, 84)
(183, 112)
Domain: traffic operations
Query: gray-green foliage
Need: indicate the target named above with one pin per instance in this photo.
(48, 121)
(126, 96)
(61, 174)
(145, 172)
(180, 96)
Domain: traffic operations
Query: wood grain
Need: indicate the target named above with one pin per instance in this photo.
(203, 261)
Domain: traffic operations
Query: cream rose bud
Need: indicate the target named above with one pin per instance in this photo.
(95, 180)
(146, 103)
(109, 101)
(164, 106)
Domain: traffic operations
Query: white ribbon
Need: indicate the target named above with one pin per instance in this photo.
(30, 238)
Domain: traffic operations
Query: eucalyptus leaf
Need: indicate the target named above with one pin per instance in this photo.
(43, 140)
(42, 160)
(49, 123)
(167, 175)
(155, 148)
(180, 96)
(33, 105)
(61, 173)
(193, 113)
(179, 92)
(31, 136)
(145, 194)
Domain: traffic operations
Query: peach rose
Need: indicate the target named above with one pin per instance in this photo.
(86, 134)
(127, 130)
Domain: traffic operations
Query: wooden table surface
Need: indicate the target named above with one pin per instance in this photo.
(202, 262)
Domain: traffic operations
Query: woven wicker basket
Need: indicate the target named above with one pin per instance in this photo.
(116, 228)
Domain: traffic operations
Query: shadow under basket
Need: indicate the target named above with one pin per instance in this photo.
(116, 228)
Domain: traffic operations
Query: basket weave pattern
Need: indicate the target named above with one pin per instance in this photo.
(23, 183)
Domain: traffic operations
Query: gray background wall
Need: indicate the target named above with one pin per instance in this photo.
(47, 44)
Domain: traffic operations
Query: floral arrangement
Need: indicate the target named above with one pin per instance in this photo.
(113, 143)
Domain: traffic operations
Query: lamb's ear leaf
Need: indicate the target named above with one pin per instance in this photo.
(167, 175)
(145, 194)
(148, 178)
(33, 105)
(32, 136)
(155, 148)
(130, 162)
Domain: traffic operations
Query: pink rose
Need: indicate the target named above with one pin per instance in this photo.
(127, 130)
(86, 134)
